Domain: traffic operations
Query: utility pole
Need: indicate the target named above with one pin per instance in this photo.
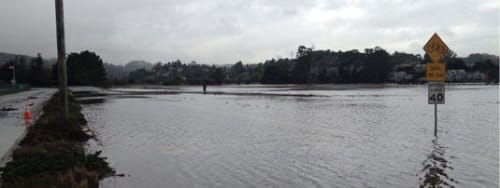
(61, 59)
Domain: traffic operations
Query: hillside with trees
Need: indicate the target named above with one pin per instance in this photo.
(310, 66)
(373, 65)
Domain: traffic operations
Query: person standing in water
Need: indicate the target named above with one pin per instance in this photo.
(205, 87)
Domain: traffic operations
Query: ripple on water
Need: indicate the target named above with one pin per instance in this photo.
(354, 138)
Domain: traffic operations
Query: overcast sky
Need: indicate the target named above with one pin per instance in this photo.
(225, 31)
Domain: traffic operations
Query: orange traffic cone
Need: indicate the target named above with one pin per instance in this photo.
(27, 115)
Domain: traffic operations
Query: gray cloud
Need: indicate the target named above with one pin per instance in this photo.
(225, 31)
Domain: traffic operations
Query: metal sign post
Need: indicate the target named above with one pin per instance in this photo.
(435, 119)
(436, 73)
(436, 95)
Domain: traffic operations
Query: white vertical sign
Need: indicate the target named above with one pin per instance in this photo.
(436, 93)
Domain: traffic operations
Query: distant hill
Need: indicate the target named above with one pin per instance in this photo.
(134, 65)
(121, 71)
(115, 71)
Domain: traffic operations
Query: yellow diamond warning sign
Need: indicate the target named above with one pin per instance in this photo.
(435, 48)
(436, 71)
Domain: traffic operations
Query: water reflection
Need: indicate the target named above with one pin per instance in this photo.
(195, 140)
(90, 100)
(436, 167)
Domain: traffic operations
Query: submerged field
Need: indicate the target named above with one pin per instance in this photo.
(297, 136)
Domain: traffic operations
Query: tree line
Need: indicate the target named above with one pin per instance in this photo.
(374, 65)
(84, 68)
(176, 73)
(27, 70)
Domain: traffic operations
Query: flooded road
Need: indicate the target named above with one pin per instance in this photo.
(314, 136)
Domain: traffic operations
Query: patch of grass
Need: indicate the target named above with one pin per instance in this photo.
(8, 92)
(52, 153)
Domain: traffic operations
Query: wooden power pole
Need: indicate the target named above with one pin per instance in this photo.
(61, 59)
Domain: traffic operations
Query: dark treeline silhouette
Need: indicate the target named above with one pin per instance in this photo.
(85, 68)
(28, 70)
(311, 66)
(374, 65)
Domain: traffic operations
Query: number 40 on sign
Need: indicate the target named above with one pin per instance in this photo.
(436, 93)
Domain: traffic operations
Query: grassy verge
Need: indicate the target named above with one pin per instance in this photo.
(8, 92)
(52, 153)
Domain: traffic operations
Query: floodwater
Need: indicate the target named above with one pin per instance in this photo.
(298, 136)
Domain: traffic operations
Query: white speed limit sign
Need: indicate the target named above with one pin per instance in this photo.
(436, 93)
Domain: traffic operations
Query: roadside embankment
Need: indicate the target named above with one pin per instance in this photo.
(12, 123)
(52, 153)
